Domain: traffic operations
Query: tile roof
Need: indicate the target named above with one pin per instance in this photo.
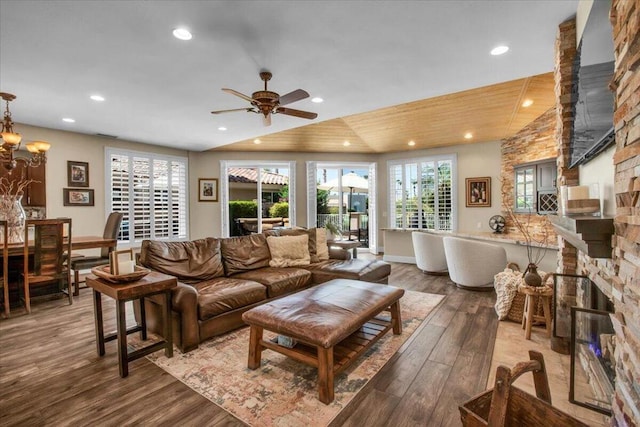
(250, 175)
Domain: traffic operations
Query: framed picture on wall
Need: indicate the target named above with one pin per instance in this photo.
(77, 197)
(478, 192)
(77, 174)
(207, 189)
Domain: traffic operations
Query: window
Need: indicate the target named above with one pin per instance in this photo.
(422, 192)
(151, 191)
(249, 189)
(535, 187)
(330, 198)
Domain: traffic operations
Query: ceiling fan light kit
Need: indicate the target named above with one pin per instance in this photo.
(266, 102)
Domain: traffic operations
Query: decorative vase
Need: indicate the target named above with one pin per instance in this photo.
(531, 276)
(11, 210)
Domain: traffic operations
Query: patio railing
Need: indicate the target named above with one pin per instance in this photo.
(324, 219)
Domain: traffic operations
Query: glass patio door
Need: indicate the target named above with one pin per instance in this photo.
(256, 196)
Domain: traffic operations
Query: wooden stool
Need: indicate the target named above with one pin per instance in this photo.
(530, 303)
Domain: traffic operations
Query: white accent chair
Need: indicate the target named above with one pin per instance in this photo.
(473, 264)
(429, 251)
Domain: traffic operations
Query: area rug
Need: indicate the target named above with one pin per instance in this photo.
(283, 392)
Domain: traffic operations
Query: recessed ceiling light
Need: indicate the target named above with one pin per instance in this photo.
(346, 143)
(257, 141)
(97, 98)
(468, 135)
(182, 34)
(499, 50)
(222, 128)
(411, 143)
(527, 103)
(68, 120)
(317, 100)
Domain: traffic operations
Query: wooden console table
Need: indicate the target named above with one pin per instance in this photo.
(152, 284)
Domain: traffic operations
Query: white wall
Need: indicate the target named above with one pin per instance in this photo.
(474, 160)
(88, 220)
(482, 159)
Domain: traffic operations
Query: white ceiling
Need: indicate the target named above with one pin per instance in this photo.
(357, 55)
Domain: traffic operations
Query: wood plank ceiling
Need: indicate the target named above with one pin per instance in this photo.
(489, 113)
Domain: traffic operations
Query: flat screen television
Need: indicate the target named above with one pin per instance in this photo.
(594, 103)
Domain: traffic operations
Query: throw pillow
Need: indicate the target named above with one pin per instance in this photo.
(322, 249)
(289, 251)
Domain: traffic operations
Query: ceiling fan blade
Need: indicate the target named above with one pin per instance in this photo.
(266, 120)
(232, 110)
(241, 95)
(296, 113)
(294, 96)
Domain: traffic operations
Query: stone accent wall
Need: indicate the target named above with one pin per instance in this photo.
(566, 55)
(534, 142)
(625, 18)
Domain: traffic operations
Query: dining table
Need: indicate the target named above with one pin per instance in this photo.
(77, 243)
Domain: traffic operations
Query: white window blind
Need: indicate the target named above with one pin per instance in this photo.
(422, 192)
(151, 191)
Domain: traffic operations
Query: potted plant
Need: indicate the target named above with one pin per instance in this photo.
(333, 232)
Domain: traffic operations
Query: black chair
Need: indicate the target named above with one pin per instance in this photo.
(111, 229)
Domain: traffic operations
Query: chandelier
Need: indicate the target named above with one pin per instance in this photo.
(11, 142)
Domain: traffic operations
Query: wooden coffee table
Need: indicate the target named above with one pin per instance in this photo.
(151, 284)
(333, 323)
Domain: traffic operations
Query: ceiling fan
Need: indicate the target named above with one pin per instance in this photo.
(267, 103)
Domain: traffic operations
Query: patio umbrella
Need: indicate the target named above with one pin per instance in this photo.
(351, 181)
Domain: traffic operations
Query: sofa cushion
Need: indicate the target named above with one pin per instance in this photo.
(318, 249)
(356, 269)
(322, 248)
(289, 251)
(244, 253)
(190, 262)
(224, 294)
(279, 281)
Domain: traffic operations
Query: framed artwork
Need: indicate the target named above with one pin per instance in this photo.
(77, 197)
(207, 189)
(478, 192)
(77, 174)
(121, 262)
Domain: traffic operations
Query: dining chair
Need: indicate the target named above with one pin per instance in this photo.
(5, 267)
(354, 225)
(111, 229)
(49, 264)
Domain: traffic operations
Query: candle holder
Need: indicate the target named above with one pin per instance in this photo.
(581, 200)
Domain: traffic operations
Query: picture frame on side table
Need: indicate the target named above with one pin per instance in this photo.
(77, 196)
(77, 174)
(207, 189)
(478, 191)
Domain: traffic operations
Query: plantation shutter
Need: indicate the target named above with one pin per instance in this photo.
(151, 192)
(422, 193)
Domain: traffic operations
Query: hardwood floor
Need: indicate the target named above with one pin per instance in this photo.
(50, 373)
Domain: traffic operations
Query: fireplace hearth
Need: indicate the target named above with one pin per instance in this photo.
(592, 349)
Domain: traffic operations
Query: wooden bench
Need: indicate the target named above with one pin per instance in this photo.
(333, 323)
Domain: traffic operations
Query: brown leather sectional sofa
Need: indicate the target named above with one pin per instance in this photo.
(221, 278)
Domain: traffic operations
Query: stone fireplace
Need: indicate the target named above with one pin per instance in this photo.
(617, 277)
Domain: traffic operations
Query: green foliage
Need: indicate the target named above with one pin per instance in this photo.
(241, 209)
(284, 197)
(280, 209)
(322, 201)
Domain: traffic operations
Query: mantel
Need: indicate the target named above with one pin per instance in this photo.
(589, 234)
